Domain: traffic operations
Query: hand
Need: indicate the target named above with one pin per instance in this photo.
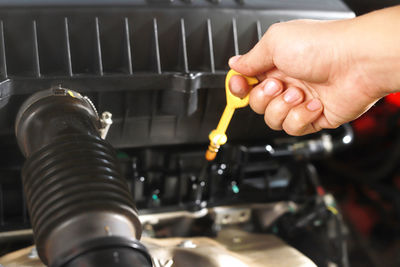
(319, 74)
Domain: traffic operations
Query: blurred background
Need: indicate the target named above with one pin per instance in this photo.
(368, 185)
(361, 7)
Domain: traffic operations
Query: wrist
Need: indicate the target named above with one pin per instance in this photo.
(375, 50)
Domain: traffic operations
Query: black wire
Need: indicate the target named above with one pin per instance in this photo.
(339, 229)
(341, 241)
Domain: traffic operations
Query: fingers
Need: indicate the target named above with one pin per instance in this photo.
(259, 59)
(238, 86)
(283, 109)
(300, 120)
(260, 95)
(286, 109)
(263, 93)
(279, 107)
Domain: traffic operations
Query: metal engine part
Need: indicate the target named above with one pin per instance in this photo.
(157, 66)
(234, 248)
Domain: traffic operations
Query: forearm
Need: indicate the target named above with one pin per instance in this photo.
(375, 48)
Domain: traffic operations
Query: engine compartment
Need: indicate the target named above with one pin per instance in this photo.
(158, 67)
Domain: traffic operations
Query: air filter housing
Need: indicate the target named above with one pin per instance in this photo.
(158, 66)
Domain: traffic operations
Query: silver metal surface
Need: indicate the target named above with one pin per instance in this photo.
(225, 215)
(230, 215)
(105, 121)
(33, 254)
(265, 213)
(167, 216)
(91, 104)
(235, 248)
(20, 258)
(231, 248)
(187, 244)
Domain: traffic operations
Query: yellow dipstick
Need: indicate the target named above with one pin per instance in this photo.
(218, 137)
(71, 93)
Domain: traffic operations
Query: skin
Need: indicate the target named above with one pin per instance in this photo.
(320, 74)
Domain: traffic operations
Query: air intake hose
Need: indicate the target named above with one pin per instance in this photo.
(80, 207)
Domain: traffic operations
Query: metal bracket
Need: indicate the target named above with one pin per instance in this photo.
(105, 122)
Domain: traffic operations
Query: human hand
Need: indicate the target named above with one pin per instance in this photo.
(317, 74)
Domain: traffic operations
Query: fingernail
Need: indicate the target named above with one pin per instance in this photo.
(291, 95)
(314, 105)
(233, 60)
(236, 89)
(271, 88)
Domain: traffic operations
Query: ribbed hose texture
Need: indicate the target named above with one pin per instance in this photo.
(74, 174)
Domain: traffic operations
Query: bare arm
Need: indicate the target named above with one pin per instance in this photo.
(321, 74)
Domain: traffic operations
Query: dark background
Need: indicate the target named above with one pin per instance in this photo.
(363, 6)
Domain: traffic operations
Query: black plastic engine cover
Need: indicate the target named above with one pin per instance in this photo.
(157, 66)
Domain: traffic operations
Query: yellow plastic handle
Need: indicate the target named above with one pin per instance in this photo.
(233, 100)
(218, 137)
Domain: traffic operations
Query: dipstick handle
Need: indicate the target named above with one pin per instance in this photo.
(218, 137)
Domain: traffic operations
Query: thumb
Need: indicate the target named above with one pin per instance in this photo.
(257, 61)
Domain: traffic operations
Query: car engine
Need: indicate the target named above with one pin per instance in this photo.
(106, 107)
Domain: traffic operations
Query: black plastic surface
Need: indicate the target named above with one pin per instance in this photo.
(110, 252)
(71, 174)
(157, 66)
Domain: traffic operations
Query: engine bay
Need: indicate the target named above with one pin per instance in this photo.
(114, 102)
